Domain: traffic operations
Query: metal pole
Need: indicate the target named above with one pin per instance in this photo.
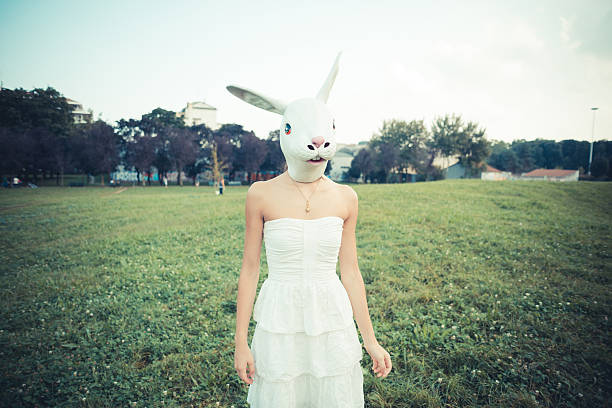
(592, 137)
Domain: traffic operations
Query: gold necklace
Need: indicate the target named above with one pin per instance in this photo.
(313, 191)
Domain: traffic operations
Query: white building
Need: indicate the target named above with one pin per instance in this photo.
(79, 114)
(341, 162)
(491, 173)
(197, 113)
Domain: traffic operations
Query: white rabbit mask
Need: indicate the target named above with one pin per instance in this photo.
(307, 133)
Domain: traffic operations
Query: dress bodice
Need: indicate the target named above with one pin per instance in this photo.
(301, 250)
(302, 292)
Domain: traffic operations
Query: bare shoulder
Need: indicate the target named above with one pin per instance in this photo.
(256, 191)
(255, 201)
(349, 194)
(262, 189)
(255, 188)
(344, 190)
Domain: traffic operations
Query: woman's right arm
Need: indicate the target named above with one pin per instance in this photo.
(247, 283)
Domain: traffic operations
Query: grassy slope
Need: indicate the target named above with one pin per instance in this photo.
(484, 293)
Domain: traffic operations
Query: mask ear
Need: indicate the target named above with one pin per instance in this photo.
(323, 94)
(257, 99)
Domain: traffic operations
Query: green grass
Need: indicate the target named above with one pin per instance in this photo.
(484, 294)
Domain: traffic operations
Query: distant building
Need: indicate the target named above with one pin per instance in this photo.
(341, 162)
(409, 174)
(551, 175)
(491, 173)
(197, 113)
(79, 114)
(458, 170)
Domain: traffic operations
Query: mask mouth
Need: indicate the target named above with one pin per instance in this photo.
(317, 161)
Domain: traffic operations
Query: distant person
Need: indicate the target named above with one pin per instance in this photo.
(165, 181)
(221, 185)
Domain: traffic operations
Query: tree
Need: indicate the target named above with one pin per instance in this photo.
(158, 120)
(219, 148)
(524, 155)
(473, 148)
(445, 139)
(353, 172)
(599, 166)
(548, 154)
(408, 140)
(362, 164)
(251, 154)
(160, 124)
(274, 160)
(203, 137)
(183, 148)
(96, 148)
(386, 157)
(508, 161)
(138, 146)
(451, 136)
(575, 154)
(40, 119)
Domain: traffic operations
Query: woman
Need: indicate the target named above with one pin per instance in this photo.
(305, 350)
(277, 199)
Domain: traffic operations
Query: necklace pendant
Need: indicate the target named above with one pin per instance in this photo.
(307, 206)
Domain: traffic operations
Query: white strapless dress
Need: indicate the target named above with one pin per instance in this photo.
(305, 346)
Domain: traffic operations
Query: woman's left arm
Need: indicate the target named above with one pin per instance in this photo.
(351, 278)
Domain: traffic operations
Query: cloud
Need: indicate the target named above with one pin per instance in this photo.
(594, 31)
(566, 33)
(413, 79)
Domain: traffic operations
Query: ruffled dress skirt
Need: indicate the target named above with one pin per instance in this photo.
(305, 363)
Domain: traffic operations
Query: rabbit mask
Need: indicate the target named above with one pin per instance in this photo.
(307, 132)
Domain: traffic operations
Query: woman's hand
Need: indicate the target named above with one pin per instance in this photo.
(381, 360)
(242, 358)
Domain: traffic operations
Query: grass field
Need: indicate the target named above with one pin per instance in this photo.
(484, 294)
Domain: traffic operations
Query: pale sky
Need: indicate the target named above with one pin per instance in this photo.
(521, 69)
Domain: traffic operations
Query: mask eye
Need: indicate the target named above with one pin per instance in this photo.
(287, 129)
(334, 124)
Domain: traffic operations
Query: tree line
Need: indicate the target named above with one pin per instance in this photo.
(523, 156)
(39, 139)
(401, 147)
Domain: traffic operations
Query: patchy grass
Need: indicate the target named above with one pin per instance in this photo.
(484, 294)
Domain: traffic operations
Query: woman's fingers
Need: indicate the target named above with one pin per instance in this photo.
(388, 362)
(242, 373)
(381, 368)
(375, 366)
(251, 370)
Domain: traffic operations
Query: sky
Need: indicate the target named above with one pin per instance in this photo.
(520, 69)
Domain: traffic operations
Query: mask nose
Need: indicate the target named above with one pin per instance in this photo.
(317, 141)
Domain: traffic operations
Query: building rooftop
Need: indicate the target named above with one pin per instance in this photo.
(549, 173)
(199, 105)
(492, 169)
